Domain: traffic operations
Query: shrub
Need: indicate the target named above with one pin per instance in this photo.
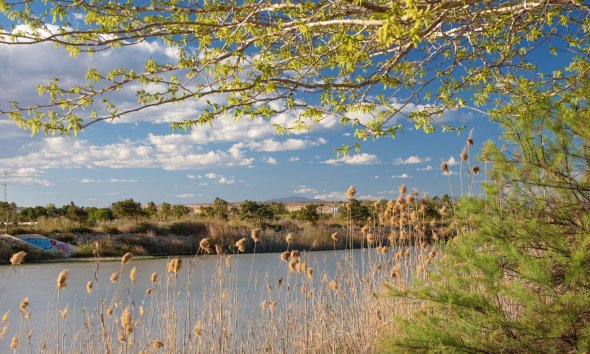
(518, 278)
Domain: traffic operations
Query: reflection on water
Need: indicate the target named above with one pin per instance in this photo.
(245, 302)
(38, 281)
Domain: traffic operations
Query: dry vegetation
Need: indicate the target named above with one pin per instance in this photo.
(311, 309)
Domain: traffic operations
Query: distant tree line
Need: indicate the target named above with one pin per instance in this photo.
(357, 211)
(123, 209)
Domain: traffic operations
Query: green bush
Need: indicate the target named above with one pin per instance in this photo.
(517, 279)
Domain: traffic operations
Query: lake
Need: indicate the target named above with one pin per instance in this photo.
(233, 297)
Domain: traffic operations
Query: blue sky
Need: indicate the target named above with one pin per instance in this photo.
(139, 156)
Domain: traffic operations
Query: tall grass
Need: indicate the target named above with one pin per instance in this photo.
(305, 307)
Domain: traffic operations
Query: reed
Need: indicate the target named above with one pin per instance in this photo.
(303, 307)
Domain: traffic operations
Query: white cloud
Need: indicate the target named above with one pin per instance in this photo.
(426, 168)
(271, 145)
(374, 177)
(119, 180)
(358, 159)
(294, 158)
(304, 190)
(225, 180)
(411, 160)
(194, 177)
(270, 160)
(26, 176)
(188, 195)
(332, 196)
(60, 152)
(89, 180)
(219, 179)
(402, 176)
(452, 162)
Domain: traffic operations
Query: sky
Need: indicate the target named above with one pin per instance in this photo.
(139, 157)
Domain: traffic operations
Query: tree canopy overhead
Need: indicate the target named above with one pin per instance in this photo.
(367, 63)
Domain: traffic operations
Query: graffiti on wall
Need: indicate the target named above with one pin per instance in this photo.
(47, 243)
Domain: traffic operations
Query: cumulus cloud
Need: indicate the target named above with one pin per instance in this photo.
(60, 152)
(26, 176)
(426, 168)
(304, 190)
(294, 158)
(219, 179)
(270, 160)
(358, 159)
(402, 176)
(225, 180)
(411, 160)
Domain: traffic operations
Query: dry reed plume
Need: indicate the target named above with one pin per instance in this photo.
(18, 258)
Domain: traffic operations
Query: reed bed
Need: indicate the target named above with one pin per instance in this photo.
(306, 306)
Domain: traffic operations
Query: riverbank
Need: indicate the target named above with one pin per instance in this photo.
(189, 241)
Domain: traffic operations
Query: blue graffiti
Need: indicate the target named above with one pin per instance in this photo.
(48, 244)
(45, 244)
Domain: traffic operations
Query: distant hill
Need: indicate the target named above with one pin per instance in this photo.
(294, 199)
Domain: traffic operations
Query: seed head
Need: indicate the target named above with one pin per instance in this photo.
(127, 320)
(154, 278)
(334, 236)
(205, 245)
(463, 155)
(255, 235)
(241, 244)
(198, 329)
(333, 285)
(403, 189)
(156, 344)
(218, 249)
(444, 167)
(293, 265)
(475, 170)
(64, 313)
(133, 274)
(126, 258)
(115, 277)
(62, 279)
(174, 265)
(285, 256)
(14, 342)
(23, 304)
(295, 254)
(470, 138)
(350, 192)
(17, 258)
(6, 316)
